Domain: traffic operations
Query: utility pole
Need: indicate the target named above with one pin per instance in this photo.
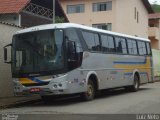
(54, 10)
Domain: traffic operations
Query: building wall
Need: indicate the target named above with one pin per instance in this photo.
(125, 18)
(154, 33)
(10, 18)
(154, 43)
(121, 16)
(88, 17)
(6, 85)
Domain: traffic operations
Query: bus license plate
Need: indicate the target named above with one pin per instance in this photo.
(35, 90)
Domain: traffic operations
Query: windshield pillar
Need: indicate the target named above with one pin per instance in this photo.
(74, 49)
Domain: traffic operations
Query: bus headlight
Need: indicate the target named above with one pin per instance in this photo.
(57, 85)
(58, 75)
(60, 85)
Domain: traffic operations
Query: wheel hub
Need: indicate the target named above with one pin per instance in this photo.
(90, 90)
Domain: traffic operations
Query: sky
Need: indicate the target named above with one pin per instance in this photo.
(152, 1)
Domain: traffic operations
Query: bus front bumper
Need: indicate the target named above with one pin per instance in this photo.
(53, 88)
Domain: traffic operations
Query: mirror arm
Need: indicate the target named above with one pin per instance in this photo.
(8, 62)
(8, 45)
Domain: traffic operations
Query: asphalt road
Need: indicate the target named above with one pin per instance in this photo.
(145, 101)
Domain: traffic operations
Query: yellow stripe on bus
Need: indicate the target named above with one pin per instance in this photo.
(141, 67)
(26, 81)
(133, 66)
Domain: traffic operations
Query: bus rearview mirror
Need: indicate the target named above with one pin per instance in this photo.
(5, 54)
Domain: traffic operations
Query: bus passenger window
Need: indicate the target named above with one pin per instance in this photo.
(107, 44)
(92, 41)
(74, 49)
(142, 48)
(121, 46)
(72, 36)
(132, 47)
(148, 49)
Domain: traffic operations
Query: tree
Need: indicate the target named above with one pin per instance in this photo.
(59, 19)
(156, 7)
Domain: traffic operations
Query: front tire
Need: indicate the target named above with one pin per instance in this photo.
(90, 93)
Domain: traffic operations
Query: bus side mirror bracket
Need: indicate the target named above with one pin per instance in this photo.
(6, 53)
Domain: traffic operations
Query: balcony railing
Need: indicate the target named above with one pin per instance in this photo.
(154, 32)
(39, 10)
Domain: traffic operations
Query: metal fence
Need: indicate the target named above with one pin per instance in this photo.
(39, 10)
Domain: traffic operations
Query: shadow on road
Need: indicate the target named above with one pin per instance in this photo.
(65, 101)
(117, 92)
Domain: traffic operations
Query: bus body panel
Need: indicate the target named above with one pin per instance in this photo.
(117, 70)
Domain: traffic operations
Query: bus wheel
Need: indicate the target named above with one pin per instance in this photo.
(135, 86)
(90, 93)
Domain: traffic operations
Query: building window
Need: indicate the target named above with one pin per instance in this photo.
(75, 8)
(104, 6)
(103, 26)
(137, 17)
(135, 13)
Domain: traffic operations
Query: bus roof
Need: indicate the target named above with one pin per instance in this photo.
(73, 25)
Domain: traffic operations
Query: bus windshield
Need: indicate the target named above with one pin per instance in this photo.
(38, 51)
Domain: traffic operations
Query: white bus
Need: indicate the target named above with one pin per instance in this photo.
(65, 59)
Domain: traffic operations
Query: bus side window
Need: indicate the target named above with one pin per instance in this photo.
(92, 40)
(107, 44)
(142, 48)
(148, 48)
(71, 35)
(97, 43)
(121, 46)
(74, 49)
(111, 44)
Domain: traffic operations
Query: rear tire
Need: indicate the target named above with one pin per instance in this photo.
(90, 93)
(135, 86)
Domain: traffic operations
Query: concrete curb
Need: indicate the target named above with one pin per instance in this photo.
(19, 103)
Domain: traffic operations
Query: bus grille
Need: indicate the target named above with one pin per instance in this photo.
(36, 84)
